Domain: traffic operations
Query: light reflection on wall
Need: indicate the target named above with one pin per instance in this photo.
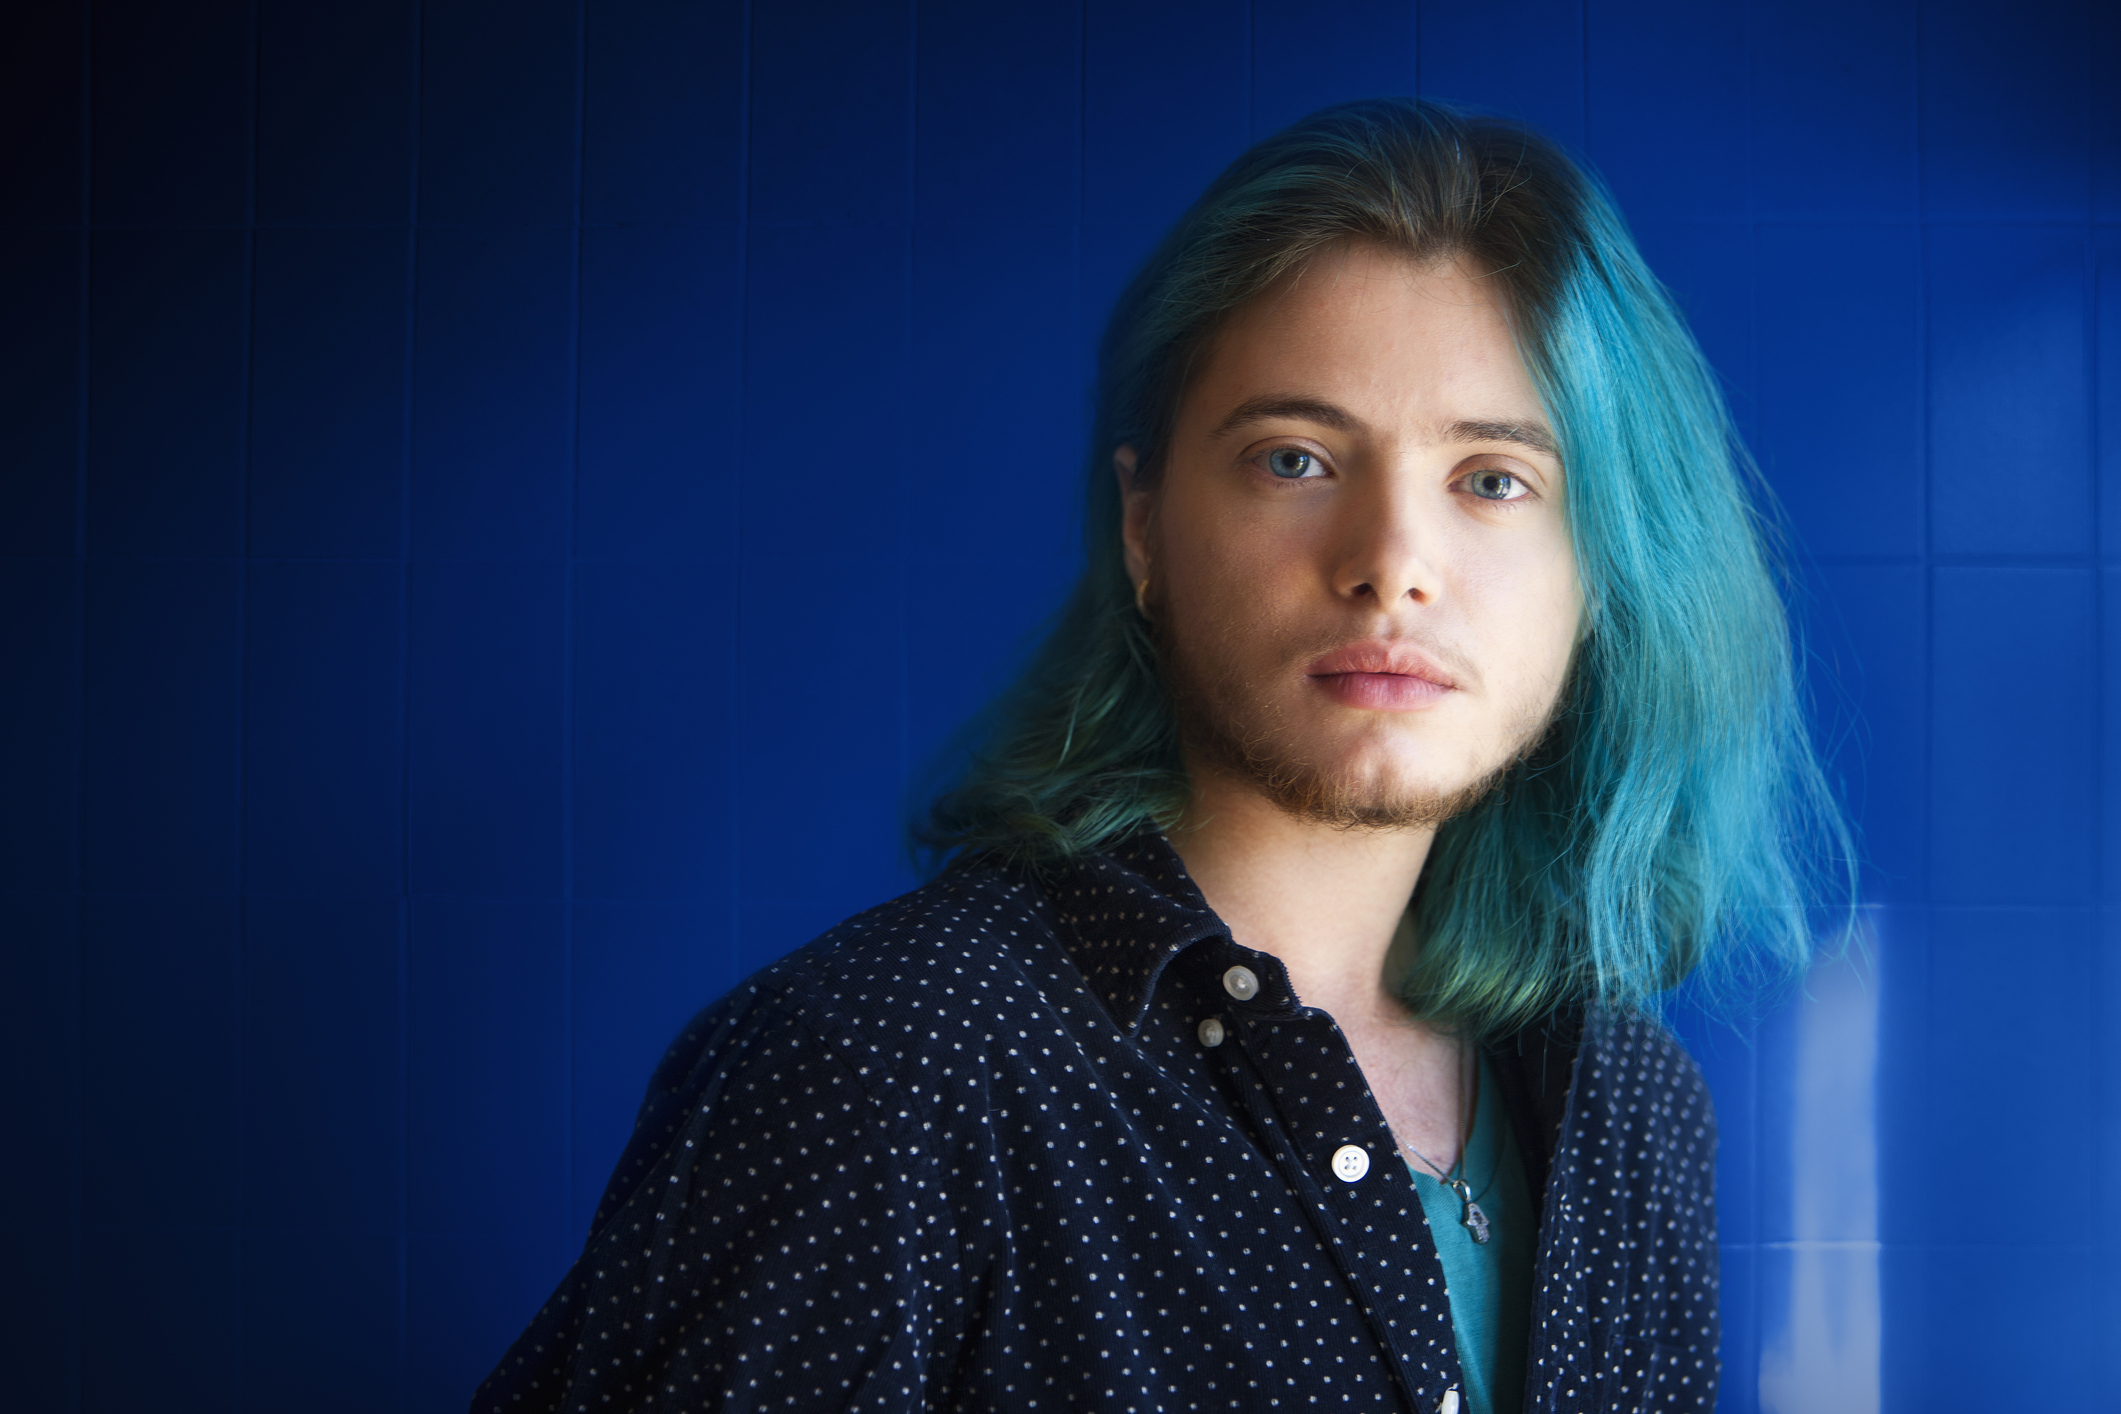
(1820, 1318)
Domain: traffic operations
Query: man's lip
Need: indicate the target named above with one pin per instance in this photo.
(1391, 659)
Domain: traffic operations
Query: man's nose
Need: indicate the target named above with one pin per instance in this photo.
(1386, 550)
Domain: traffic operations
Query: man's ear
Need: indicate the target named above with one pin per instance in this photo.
(1135, 508)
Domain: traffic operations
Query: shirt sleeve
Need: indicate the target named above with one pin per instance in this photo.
(776, 1236)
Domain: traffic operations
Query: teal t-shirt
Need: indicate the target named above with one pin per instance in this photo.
(1490, 1284)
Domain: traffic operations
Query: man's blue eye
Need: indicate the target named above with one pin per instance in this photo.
(1494, 485)
(1289, 463)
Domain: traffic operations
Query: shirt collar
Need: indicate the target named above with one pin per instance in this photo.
(1125, 914)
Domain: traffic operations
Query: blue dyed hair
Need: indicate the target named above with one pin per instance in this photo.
(1675, 816)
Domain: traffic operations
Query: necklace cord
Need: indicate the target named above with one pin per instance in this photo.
(1471, 1121)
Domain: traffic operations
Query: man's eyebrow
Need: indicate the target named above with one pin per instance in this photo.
(1525, 434)
(1294, 407)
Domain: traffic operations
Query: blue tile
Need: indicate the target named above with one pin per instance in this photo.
(1519, 57)
(1711, 269)
(1907, 1372)
(2105, 119)
(824, 396)
(958, 663)
(1840, 390)
(2106, 412)
(2106, 1084)
(1774, 1037)
(1820, 1327)
(321, 1321)
(172, 112)
(1166, 104)
(654, 744)
(160, 726)
(2037, 1308)
(323, 1078)
(327, 426)
(1910, 1154)
(818, 726)
(662, 343)
(41, 76)
(467, 1299)
(984, 345)
(160, 1315)
(641, 970)
(831, 118)
(1834, 106)
(40, 389)
(2110, 701)
(998, 109)
(40, 1054)
(1989, 968)
(40, 817)
(2004, 113)
(1818, 1100)
(1305, 57)
(2009, 387)
(499, 97)
(488, 1053)
(2003, 639)
(662, 112)
(161, 1061)
(1864, 636)
(40, 1312)
(1723, 1041)
(1740, 1351)
(168, 323)
(323, 755)
(487, 695)
(493, 393)
(1668, 108)
(1111, 253)
(335, 110)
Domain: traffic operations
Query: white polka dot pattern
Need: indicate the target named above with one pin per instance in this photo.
(974, 1150)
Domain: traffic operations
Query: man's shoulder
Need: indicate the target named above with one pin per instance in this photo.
(1638, 1088)
(879, 1006)
(970, 920)
(970, 942)
(1635, 1051)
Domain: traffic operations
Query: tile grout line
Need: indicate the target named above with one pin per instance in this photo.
(247, 380)
(733, 944)
(569, 590)
(76, 1353)
(409, 354)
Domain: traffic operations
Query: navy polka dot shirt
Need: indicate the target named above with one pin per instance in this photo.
(1008, 1145)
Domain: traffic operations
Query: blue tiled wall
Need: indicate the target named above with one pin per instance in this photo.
(480, 480)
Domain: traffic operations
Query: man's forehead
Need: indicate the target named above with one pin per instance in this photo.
(1261, 409)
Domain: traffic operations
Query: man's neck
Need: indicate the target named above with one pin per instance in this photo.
(1325, 900)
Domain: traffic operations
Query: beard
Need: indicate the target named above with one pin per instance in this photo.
(1235, 722)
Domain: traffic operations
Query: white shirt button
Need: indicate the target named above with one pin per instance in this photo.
(1350, 1163)
(1241, 983)
(1211, 1032)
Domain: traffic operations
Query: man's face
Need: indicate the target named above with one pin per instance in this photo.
(1357, 557)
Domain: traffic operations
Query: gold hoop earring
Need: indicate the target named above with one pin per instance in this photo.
(1141, 597)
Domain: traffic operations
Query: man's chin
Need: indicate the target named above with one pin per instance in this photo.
(1345, 803)
(1358, 793)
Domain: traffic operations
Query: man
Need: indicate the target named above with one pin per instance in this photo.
(1275, 1035)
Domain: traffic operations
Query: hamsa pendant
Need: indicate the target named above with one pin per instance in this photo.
(1474, 1221)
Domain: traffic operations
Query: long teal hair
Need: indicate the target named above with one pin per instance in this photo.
(1675, 817)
